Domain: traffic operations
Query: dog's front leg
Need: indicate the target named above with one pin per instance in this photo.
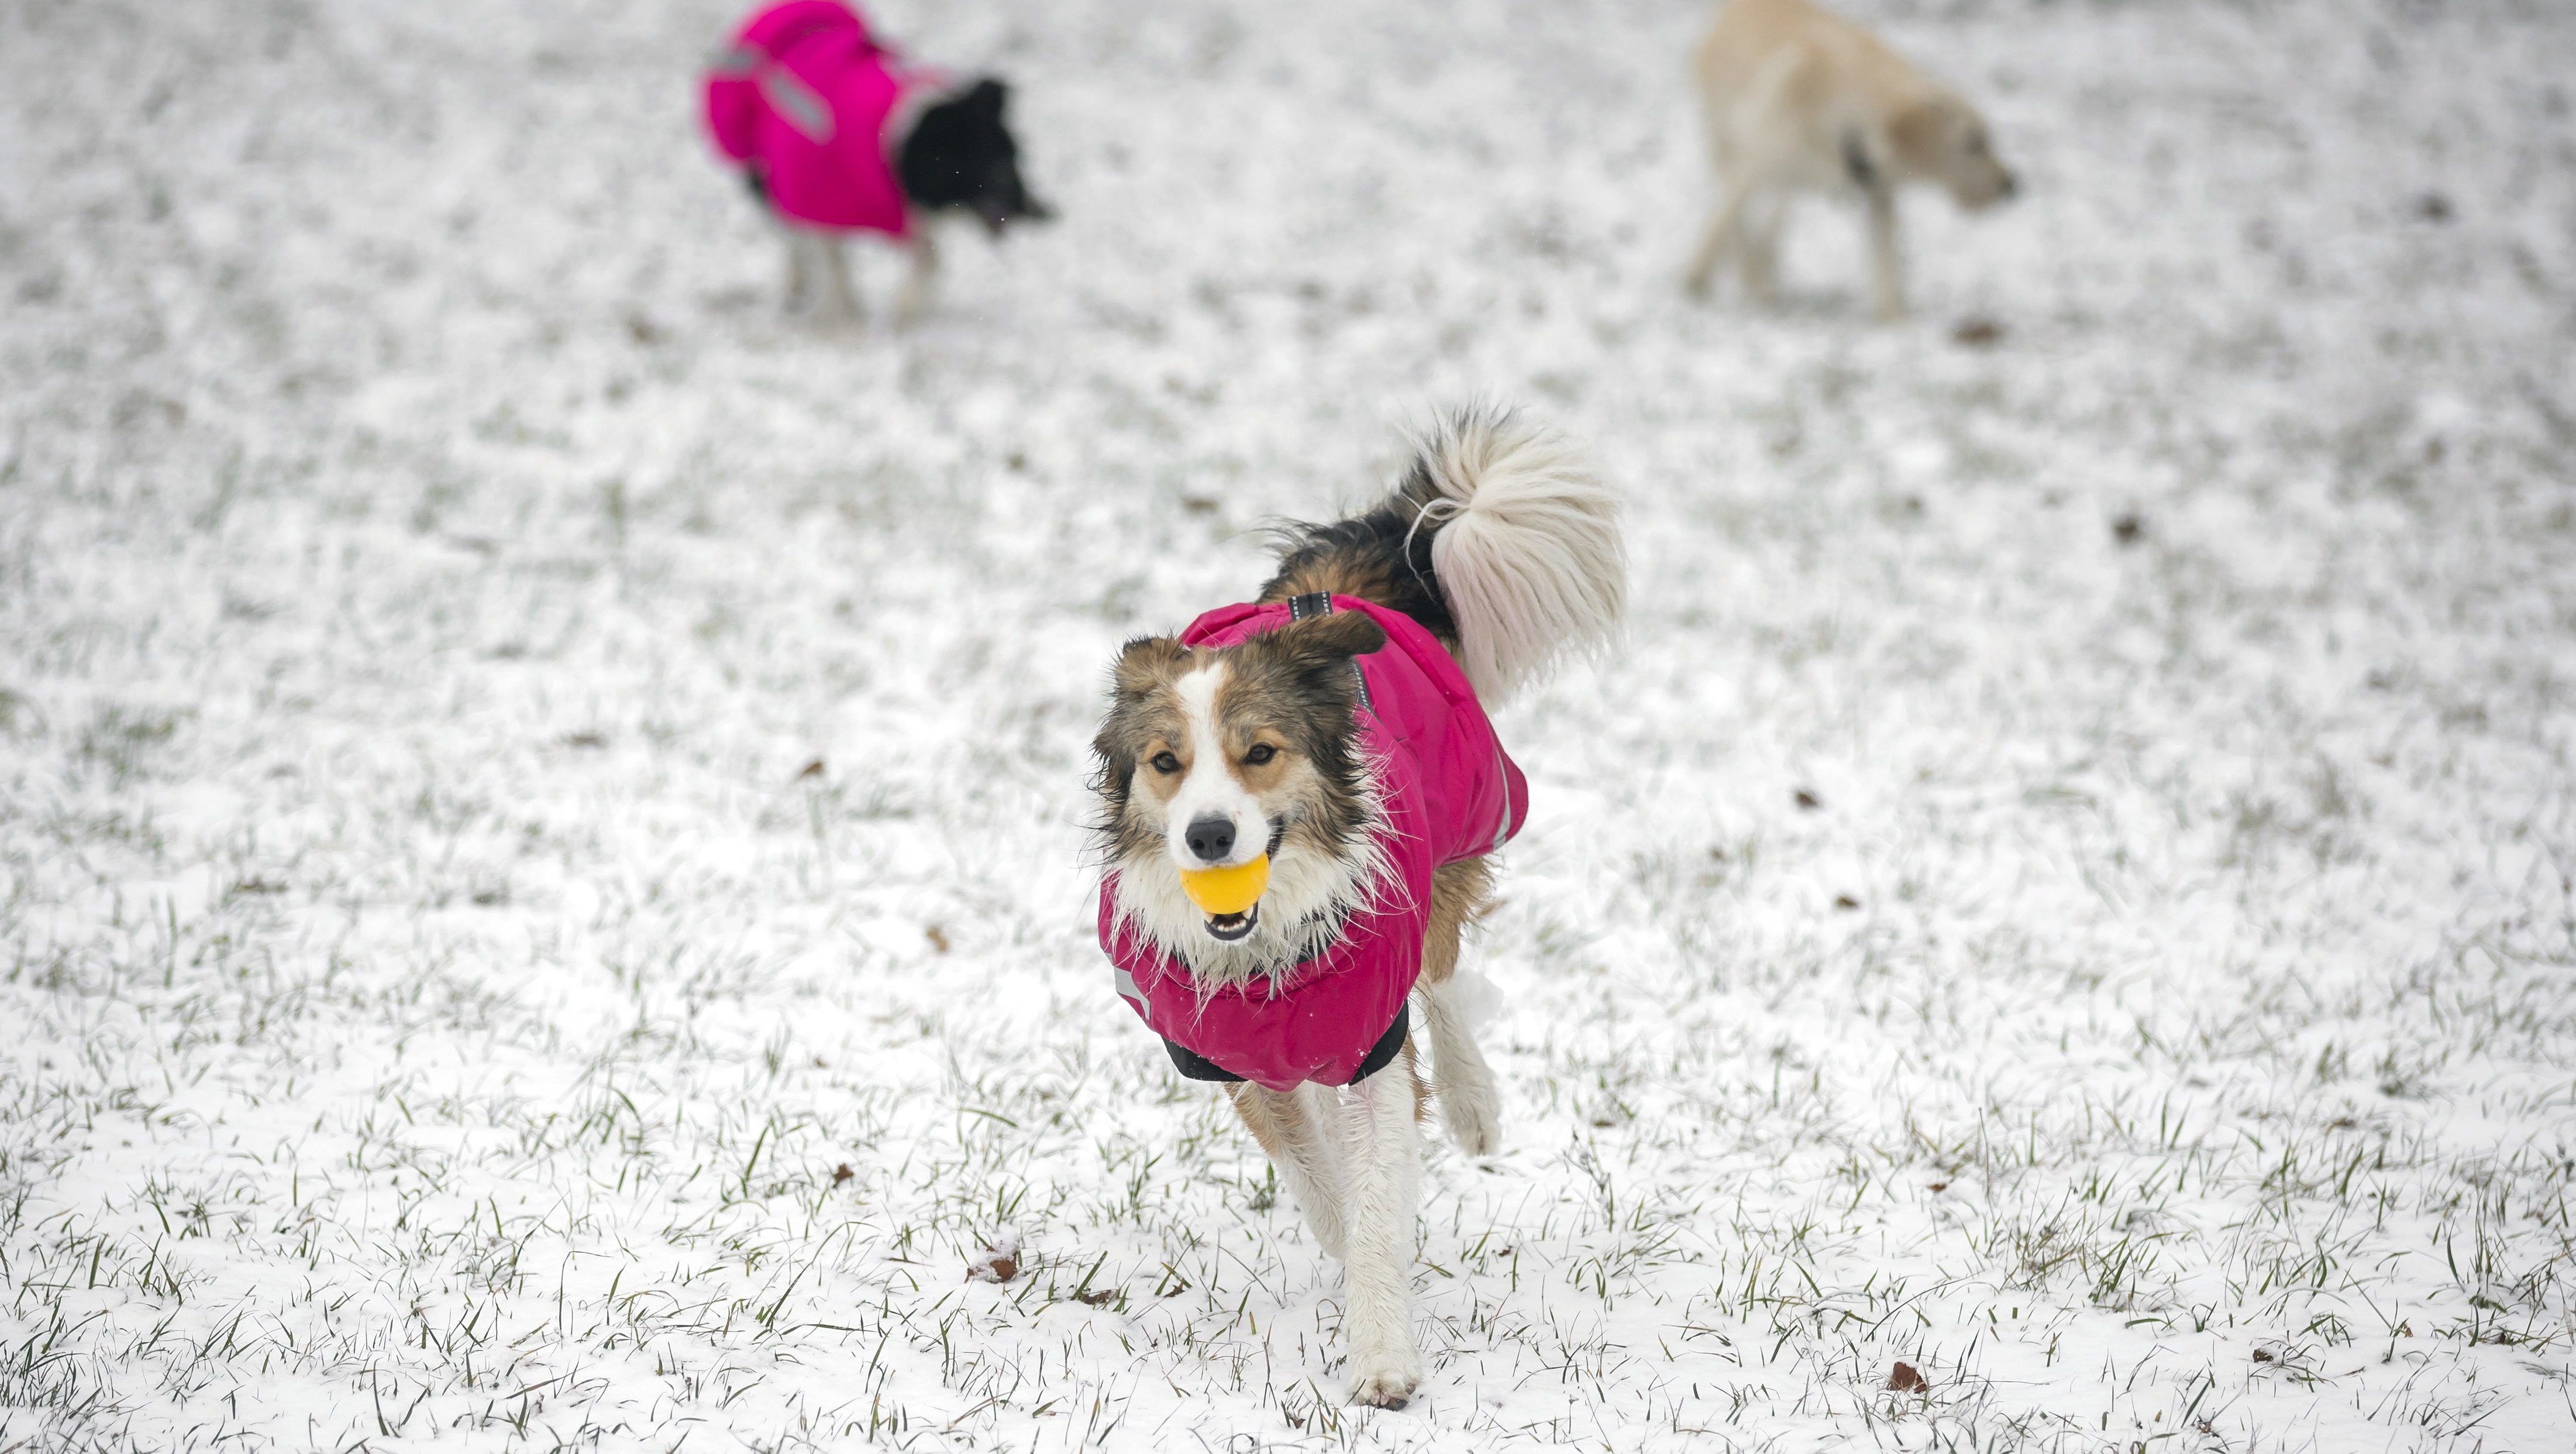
(1383, 1171)
(1886, 261)
(917, 283)
(1298, 1129)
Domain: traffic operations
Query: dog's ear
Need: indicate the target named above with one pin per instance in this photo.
(1328, 641)
(987, 97)
(1144, 664)
(1917, 135)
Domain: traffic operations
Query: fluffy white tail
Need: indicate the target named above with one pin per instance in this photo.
(1527, 549)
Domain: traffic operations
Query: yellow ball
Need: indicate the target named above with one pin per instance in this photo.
(1228, 890)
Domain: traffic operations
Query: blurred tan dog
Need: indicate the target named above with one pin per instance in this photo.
(1800, 100)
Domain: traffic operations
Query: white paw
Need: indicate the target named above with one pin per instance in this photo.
(1475, 1123)
(1385, 1378)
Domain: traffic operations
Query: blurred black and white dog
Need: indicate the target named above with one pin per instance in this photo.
(836, 133)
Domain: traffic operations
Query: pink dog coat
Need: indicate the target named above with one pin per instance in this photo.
(1450, 794)
(801, 101)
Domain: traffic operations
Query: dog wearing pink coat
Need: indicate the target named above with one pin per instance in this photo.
(836, 133)
(1327, 744)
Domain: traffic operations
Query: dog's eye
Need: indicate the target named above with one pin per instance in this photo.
(1165, 763)
(1261, 752)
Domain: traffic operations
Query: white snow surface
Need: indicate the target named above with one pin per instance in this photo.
(440, 1001)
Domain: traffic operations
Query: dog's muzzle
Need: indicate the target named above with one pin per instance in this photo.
(1231, 927)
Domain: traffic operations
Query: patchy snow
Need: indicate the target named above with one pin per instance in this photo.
(444, 996)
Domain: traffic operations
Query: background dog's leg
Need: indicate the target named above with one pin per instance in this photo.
(917, 284)
(841, 300)
(800, 270)
(1723, 226)
(1294, 1129)
(1384, 1173)
(1886, 263)
(1760, 248)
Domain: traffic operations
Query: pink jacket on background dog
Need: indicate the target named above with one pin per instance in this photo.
(801, 100)
(1450, 794)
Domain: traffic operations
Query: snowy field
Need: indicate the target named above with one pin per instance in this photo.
(543, 805)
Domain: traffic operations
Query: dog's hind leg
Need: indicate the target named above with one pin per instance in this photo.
(800, 270)
(1759, 252)
(818, 277)
(1886, 259)
(1295, 1129)
(842, 300)
(1469, 1104)
(1724, 235)
(917, 283)
(1384, 1174)
(1460, 1078)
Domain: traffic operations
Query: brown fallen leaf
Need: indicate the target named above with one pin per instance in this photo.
(938, 938)
(998, 1263)
(1846, 902)
(1904, 1379)
(2128, 529)
(842, 1173)
(1977, 333)
(1098, 1297)
(1808, 801)
(1198, 504)
(811, 769)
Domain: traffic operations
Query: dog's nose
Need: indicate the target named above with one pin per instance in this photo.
(1211, 838)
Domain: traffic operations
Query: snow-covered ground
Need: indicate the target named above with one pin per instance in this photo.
(543, 805)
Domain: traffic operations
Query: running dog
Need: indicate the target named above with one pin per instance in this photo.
(1800, 100)
(836, 134)
(1298, 799)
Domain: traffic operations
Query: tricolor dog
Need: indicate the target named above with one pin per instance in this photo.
(1299, 796)
(837, 134)
(1798, 100)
